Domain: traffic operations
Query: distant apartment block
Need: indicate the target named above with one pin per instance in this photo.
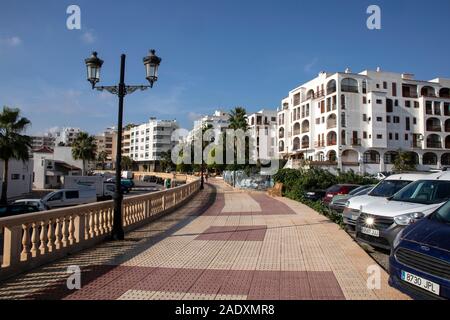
(149, 141)
(46, 140)
(107, 142)
(218, 121)
(65, 136)
(262, 125)
(359, 121)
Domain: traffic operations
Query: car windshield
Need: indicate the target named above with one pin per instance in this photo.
(48, 196)
(387, 188)
(424, 192)
(357, 190)
(364, 191)
(442, 214)
(334, 188)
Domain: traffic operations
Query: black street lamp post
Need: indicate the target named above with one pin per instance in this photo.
(94, 64)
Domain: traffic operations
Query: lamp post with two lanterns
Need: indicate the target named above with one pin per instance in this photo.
(94, 64)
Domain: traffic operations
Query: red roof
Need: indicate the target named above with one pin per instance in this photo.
(43, 149)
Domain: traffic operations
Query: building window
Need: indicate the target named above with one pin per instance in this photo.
(342, 101)
(407, 123)
(379, 119)
(396, 119)
(364, 135)
(379, 136)
(416, 104)
(364, 117)
(394, 89)
(379, 101)
(390, 135)
(384, 85)
(388, 119)
(414, 120)
(396, 136)
(408, 104)
(349, 85)
(406, 137)
(15, 176)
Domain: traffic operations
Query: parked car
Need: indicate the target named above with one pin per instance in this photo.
(128, 184)
(337, 189)
(16, 209)
(338, 202)
(383, 189)
(381, 221)
(69, 197)
(419, 264)
(32, 202)
(315, 195)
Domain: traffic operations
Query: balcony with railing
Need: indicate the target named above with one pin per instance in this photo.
(319, 144)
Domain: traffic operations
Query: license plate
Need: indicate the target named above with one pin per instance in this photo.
(420, 282)
(370, 232)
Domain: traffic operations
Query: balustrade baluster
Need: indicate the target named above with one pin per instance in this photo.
(43, 238)
(25, 254)
(34, 240)
(50, 236)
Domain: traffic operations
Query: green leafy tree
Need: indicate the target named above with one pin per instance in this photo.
(404, 161)
(166, 161)
(238, 119)
(13, 144)
(126, 163)
(84, 148)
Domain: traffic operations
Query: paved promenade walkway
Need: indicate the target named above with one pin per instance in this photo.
(223, 244)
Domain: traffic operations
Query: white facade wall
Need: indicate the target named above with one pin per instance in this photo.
(364, 123)
(263, 124)
(19, 178)
(149, 140)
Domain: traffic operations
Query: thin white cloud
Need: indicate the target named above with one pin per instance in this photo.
(88, 37)
(309, 67)
(12, 41)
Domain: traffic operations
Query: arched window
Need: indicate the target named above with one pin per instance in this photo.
(281, 133)
(371, 157)
(305, 142)
(447, 125)
(349, 85)
(444, 93)
(331, 121)
(434, 141)
(296, 128)
(390, 156)
(331, 156)
(331, 138)
(331, 86)
(305, 126)
(296, 144)
(310, 94)
(281, 146)
(445, 159)
(447, 142)
(428, 91)
(429, 158)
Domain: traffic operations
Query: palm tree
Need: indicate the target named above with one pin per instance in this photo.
(238, 119)
(102, 157)
(84, 148)
(13, 145)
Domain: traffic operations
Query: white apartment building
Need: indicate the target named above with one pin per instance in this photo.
(359, 121)
(149, 140)
(261, 126)
(65, 136)
(219, 120)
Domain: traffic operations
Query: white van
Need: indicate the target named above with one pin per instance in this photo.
(384, 189)
(69, 197)
(381, 221)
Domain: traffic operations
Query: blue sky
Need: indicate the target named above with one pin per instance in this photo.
(216, 53)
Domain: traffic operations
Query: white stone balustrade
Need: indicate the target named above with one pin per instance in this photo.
(37, 238)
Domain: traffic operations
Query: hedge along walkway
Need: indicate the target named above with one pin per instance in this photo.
(224, 244)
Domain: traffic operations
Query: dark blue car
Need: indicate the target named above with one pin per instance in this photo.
(419, 264)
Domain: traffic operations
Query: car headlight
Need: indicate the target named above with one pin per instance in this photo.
(409, 218)
(397, 239)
